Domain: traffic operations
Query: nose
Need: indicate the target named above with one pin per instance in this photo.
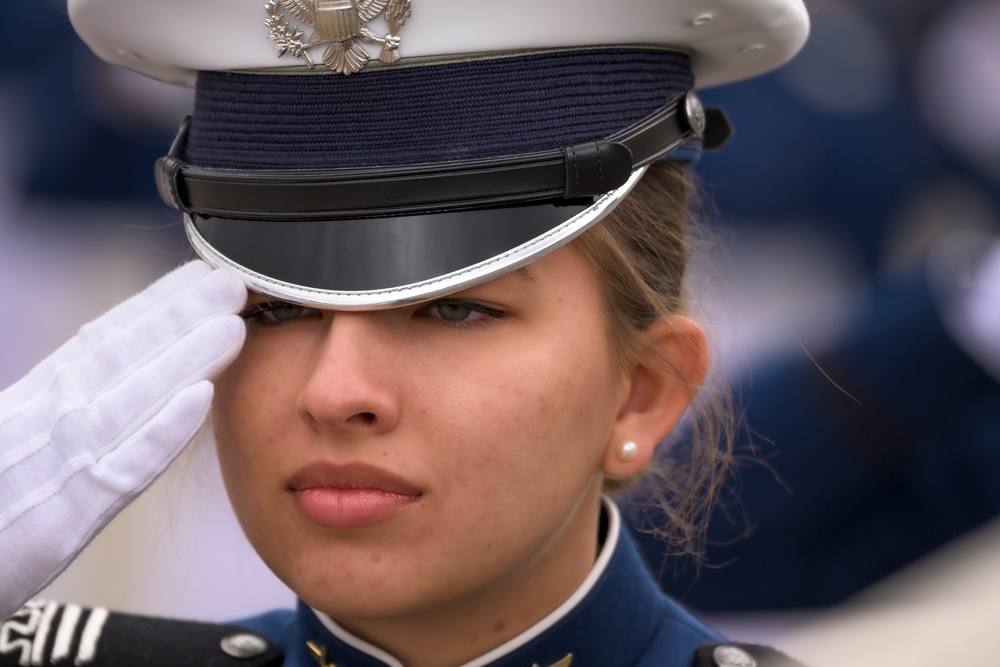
(350, 388)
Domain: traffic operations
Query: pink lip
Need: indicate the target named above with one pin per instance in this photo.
(350, 496)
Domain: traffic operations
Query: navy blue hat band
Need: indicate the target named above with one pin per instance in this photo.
(570, 173)
(425, 114)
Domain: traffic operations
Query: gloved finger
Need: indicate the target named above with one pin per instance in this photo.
(97, 424)
(102, 364)
(134, 464)
(178, 281)
(59, 518)
(121, 315)
(157, 329)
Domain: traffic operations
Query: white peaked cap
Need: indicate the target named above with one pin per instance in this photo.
(372, 153)
(729, 40)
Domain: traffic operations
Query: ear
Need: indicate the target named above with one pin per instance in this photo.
(659, 389)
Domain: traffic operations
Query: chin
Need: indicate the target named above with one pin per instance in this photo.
(351, 603)
(350, 583)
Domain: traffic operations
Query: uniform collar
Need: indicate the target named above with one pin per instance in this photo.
(611, 619)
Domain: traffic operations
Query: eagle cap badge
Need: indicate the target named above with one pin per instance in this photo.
(341, 25)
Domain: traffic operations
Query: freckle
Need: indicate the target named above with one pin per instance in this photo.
(499, 626)
(376, 558)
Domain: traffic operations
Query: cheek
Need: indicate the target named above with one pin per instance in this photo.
(534, 410)
(253, 403)
(252, 415)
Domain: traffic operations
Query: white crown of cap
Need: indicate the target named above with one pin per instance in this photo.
(729, 40)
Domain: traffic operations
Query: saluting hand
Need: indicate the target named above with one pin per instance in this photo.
(90, 427)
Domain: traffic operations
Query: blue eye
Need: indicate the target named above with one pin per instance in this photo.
(462, 312)
(275, 313)
(454, 312)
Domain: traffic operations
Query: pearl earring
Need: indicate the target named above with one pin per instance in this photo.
(628, 450)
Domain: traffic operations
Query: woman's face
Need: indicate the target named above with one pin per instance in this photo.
(434, 459)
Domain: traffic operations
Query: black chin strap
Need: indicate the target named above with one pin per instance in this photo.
(578, 172)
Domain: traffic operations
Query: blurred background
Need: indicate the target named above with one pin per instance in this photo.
(851, 211)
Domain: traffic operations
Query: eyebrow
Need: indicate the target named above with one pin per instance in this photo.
(525, 273)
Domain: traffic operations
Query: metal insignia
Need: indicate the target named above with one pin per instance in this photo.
(319, 653)
(339, 24)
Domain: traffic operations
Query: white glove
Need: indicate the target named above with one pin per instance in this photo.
(89, 428)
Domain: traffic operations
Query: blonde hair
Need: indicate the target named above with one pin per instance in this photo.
(641, 252)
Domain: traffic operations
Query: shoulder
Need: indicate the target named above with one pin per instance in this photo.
(741, 655)
(46, 633)
(682, 635)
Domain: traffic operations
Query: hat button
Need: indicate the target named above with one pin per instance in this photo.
(243, 646)
(732, 656)
(695, 113)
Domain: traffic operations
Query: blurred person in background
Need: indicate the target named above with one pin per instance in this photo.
(872, 403)
(85, 131)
